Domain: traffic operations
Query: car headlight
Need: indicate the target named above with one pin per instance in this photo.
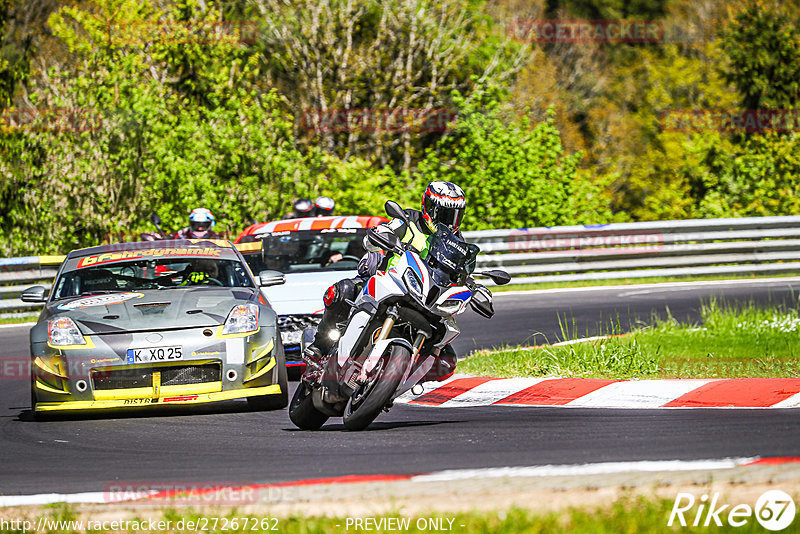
(63, 331)
(413, 282)
(241, 320)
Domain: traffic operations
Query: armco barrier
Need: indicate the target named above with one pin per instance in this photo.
(762, 245)
(765, 245)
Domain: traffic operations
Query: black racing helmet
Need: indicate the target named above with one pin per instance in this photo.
(324, 206)
(303, 207)
(443, 202)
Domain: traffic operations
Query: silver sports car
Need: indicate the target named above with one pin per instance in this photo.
(154, 324)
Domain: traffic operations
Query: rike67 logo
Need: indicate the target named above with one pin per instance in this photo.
(774, 510)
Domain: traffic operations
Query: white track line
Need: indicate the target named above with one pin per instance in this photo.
(16, 325)
(756, 281)
(583, 469)
(791, 402)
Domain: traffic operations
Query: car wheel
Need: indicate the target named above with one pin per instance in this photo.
(279, 400)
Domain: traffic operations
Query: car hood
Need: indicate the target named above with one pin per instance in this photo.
(302, 293)
(145, 310)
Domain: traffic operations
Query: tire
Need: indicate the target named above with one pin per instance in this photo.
(378, 391)
(302, 411)
(279, 400)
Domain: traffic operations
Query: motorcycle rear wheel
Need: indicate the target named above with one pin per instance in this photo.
(302, 411)
(368, 401)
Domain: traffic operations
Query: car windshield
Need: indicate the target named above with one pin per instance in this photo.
(172, 272)
(309, 251)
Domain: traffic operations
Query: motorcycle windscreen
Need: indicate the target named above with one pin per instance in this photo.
(453, 257)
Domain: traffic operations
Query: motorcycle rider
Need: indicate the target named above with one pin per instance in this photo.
(324, 206)
(201, 222)
(442, 202)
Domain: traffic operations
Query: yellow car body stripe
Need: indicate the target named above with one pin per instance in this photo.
(254, 246)
(273, 389)
(43, 365)
(220, 335)
(264, 352)
(121, 394)
(44, 387)
(191, 389)
(51, 260)
(89, 344)
(263, 371)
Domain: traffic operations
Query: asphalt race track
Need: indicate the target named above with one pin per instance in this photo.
(230, 445)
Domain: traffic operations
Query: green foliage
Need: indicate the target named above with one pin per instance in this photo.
(514, 175)
(763, 44)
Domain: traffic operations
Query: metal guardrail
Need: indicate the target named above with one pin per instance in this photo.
(764, 245)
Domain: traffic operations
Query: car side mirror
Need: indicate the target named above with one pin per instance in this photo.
(271, 278)
(34, 294)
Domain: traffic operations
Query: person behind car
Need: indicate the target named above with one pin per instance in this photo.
(301, 208)
(201, 222)
(324, 206)
(442, 202)
(200, 272)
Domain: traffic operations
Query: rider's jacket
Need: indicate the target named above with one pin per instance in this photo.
(417, 234)
(188, 233)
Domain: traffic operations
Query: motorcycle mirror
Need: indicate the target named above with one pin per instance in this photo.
(482, 305)
(394, 210)
(498, 277)
(155, 219)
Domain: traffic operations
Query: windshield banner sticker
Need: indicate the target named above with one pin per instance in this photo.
(110, 257)
(99, 300)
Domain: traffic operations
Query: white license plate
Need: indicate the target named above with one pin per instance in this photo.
(155, 354)
(291, 337)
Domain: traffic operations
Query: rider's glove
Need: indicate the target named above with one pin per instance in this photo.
(369, 264)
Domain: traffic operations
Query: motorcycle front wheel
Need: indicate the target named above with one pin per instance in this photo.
(302, 411)
(366, 403)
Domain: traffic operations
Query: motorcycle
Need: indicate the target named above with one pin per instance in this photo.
(395, 326)
(159, 234)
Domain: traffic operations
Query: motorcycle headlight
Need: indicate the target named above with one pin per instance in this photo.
(243, 319)
(413, 282)
(450, 305)
(63, 331)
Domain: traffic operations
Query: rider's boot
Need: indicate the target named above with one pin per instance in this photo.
(443, 366)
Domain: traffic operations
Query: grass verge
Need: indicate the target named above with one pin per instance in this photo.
(626, 514)
(731, 342)
(630, 281)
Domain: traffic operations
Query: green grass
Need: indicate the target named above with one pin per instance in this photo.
(629, 281)
(731, 342)
(18, 320)
(625, 515)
